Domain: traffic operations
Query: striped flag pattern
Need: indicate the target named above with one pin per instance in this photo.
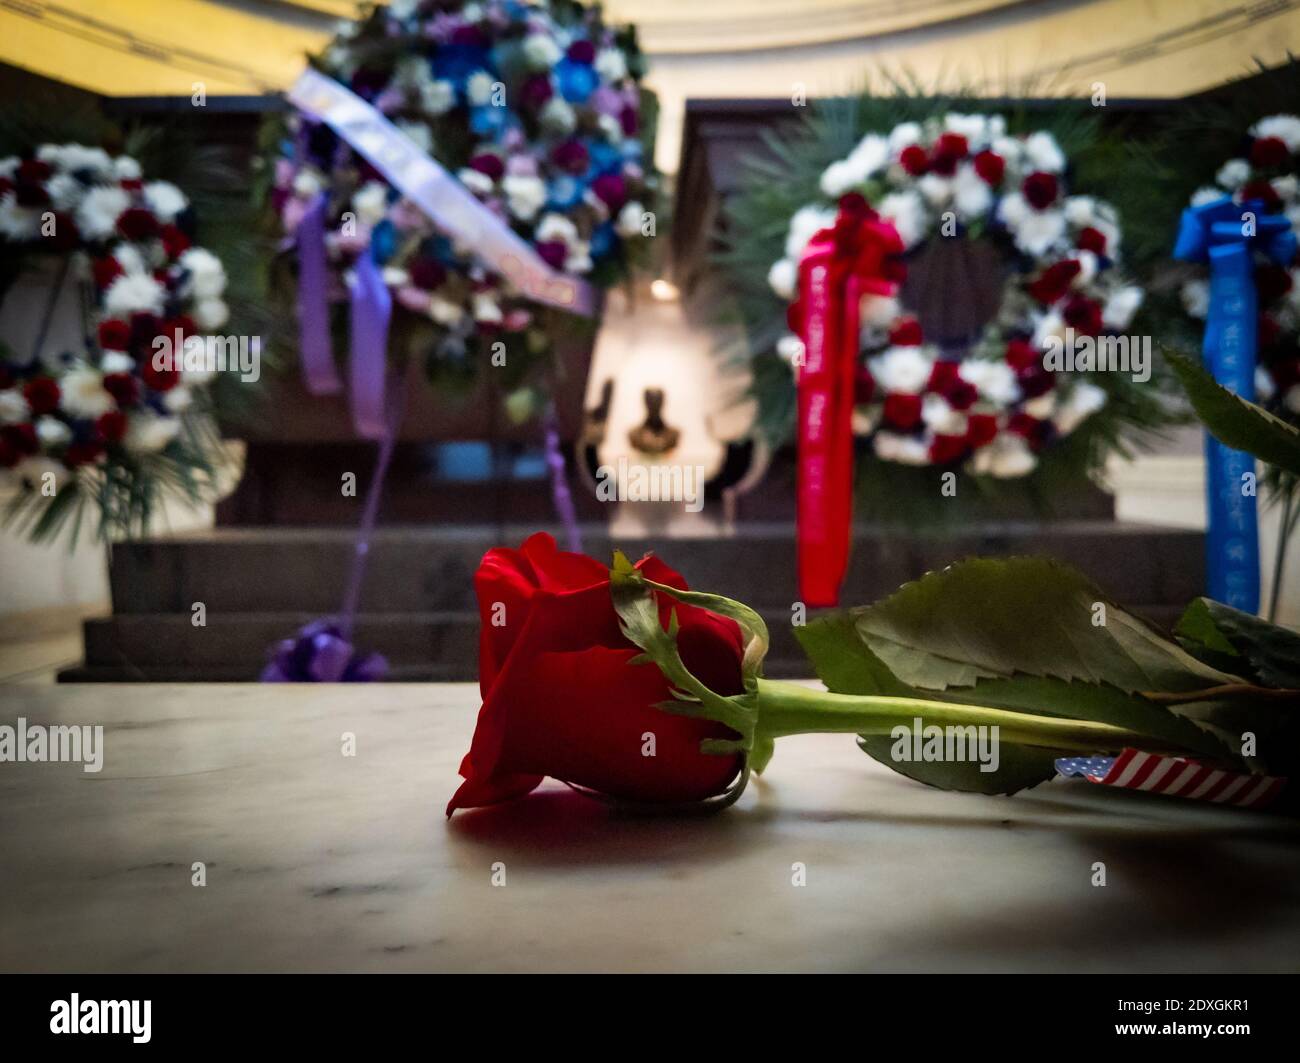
(1175, 776)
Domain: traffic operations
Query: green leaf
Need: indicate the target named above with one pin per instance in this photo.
(842, 660)
(1272, 652)
(1019, 767)
(1235, 422)
(1098, 702)
(988, 618)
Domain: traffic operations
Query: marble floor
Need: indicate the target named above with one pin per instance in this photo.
(312, 860)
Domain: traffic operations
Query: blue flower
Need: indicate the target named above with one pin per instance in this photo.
(564, 192)
(603, 240)
(577, 81)
(488, 120)
(383, 241)
(605, 158)
(456, 62)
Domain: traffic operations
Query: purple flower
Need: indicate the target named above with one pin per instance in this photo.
(488, 163)
(536, 91)
(571, 156)
(553, 253)
(611, 189)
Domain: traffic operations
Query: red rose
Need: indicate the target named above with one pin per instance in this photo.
(1040, 189)
(903, 411)
(991, 167)
(864, 387)
(914, 160)
(182, 323)
(981, 428)
(114, 335)
(945, 449)
(561, 698)
(943, 376)
(1267, 331)
(106, 270)
(1021, 354)
(34, 170)
(906, 333)
(1286, 373)
(1269, 152)
(1263, 191)
(124, 388)
(1272, 282)
(63, 234)
(1054, 281)
(111, 426)
(962, 395)
(174, 241)
(21, 438)
(1031, 429)
(42, 394)
(158, 379)
(1093, 240)
(949, 149)
(1034, 380)
(1083, 315)
(136, 223)
(86, 453)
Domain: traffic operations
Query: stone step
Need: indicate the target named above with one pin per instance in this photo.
(429, 570)
(420, 647)
(235, 646)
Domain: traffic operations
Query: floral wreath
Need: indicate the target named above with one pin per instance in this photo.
(536, 108)
(995, 410)
(1266, 173)
(111, 422)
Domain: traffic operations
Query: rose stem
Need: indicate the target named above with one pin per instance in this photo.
(790, 709)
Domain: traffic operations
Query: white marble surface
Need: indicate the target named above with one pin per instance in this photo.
(320, 862)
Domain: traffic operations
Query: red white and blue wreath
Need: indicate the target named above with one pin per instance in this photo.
(1265, 173)
(994, 411)
(108, 422)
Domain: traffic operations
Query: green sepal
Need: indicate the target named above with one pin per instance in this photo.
(638, 612)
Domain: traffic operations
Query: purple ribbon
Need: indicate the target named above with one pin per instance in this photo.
(372, 307)
(560, 482)
(315, 348)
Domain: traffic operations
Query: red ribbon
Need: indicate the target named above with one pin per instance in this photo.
(840, 265)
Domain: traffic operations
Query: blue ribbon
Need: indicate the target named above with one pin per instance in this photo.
(1226, 235)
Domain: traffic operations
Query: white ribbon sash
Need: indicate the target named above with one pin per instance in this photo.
(447, 202)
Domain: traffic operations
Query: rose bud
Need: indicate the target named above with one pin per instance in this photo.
(568, 694)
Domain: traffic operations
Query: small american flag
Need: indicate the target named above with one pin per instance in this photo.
(1175, 776)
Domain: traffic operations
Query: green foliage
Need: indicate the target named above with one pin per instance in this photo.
(1026, 635)
(1233, 421)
